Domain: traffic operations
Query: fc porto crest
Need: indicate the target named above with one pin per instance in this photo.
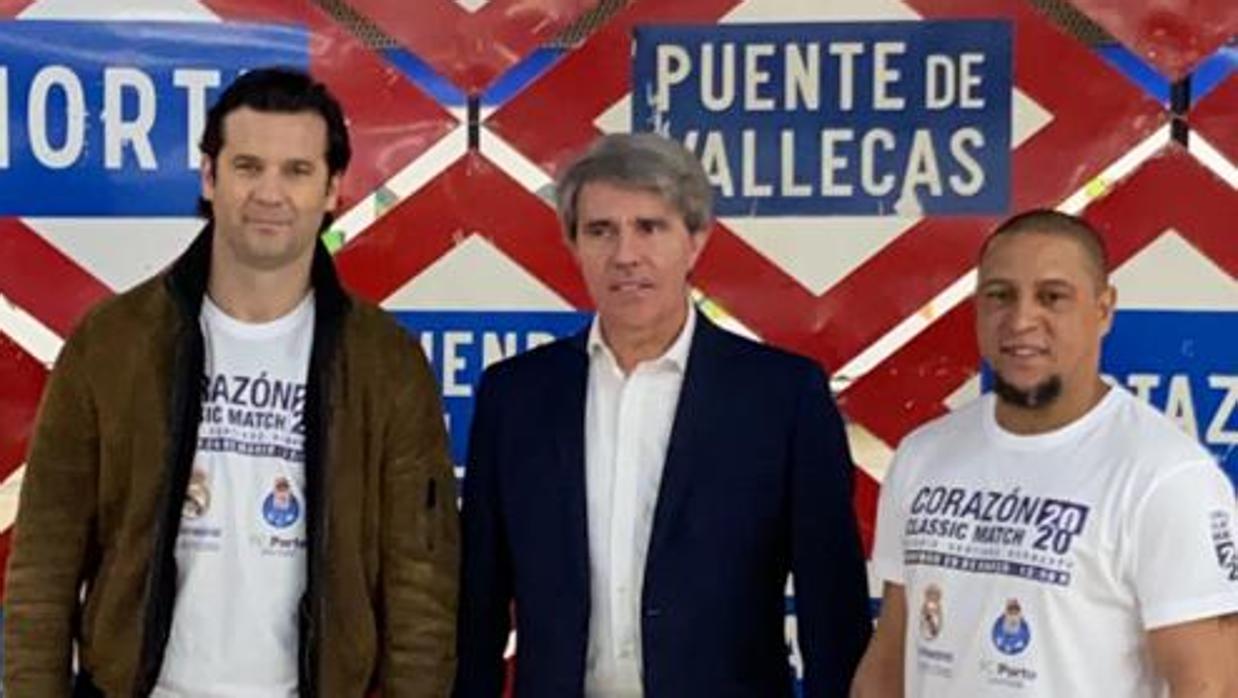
(1011, 633)
(281, 508)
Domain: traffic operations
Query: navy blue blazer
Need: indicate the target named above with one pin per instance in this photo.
(756, 484)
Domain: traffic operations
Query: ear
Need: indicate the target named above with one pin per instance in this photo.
(1107, 302)
(333, 190)
(207, 176)
(697, 242)
(572, 242)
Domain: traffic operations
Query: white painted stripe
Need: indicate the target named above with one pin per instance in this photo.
(870, 453)
(31, 335)
(965, 285)
(512, 161)
(1123, 166)
(970, 390)
(126, 10)
(910, 326)
(404, 183)
(475, 276)
(1213, 158)
(121, 252)
(10, 493)
(472, 5)
(757, 11)
(1170, 274)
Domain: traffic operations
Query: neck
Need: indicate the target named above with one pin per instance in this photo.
(634, 345)
(1066, 409)
(251, 295)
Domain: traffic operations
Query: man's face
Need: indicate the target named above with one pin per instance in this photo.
(1040, 316)
(269, 187)
(634, 252)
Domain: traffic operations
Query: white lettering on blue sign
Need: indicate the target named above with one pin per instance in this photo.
(875, 118)
(1183, 404)
(113, 111)
(56, 95)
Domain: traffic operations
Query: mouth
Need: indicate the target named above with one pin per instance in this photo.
(268, 225)
(632, 286)
(1023, 351)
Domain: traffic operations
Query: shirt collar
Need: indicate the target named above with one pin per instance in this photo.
(675, 356)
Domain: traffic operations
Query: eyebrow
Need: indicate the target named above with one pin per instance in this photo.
(651, 220)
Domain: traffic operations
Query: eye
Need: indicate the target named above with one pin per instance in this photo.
(998, 294)
(649, 225)
(300, 169)
(1051, 298)
(596, 230)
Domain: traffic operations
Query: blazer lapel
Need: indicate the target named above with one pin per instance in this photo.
(569, 423)
(699, 391)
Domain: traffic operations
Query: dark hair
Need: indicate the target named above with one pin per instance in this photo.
(280, 90)
(1050, 222)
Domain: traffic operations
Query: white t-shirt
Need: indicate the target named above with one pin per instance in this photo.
(1035, 565)
(240, 554)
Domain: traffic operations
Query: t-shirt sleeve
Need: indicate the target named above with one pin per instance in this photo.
(1185, 563)
(891, 519)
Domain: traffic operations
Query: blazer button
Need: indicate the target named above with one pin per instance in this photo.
(653, 612)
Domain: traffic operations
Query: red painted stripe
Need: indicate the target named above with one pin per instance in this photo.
(471, 196)
(864, 501)
(525, 228)
(472, 49)
(1174, 36)
(586, 82)
(42, 280)
(1172, 190)
(1216, 117)
(406, 240)
(391, 121)
(907, 389)
(12, 8)
(1089, 130)
(23, 377)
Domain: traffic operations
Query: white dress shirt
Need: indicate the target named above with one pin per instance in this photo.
(628, 423)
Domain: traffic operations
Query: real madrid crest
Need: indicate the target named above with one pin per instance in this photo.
(197, 495)
(931, 613)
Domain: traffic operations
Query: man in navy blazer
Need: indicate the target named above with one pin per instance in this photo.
(636, 495)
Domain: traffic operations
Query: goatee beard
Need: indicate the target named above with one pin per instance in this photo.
(1036, 397)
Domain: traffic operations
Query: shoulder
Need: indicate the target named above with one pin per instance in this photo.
(136, 308)
(761, 366)
(947, 432)
(118, 322)
(1150, 453)
(375, 343)
(367, 321)
(536, 366)
(1149, 436)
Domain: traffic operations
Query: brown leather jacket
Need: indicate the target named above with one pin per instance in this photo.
(92, 563)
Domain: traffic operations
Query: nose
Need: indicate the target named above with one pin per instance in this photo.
(626, 251)
(268, 190)
(1024, 313)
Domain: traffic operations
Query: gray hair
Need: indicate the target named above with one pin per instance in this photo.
(639, 161)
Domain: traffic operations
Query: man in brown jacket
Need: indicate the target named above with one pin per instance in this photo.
(239, 484)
